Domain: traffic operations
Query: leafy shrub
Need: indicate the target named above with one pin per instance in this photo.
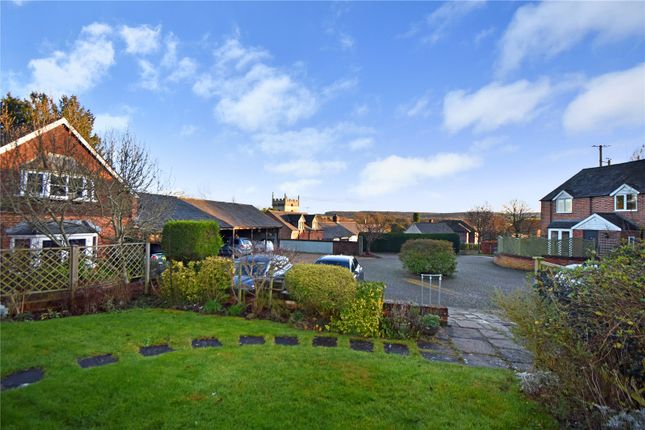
(191, 240)
(393, 242)
(428, 256)
(212, 307)
(197, 282)
(237, 309)
(321, 289)
(430, 321)
(587, 327)
(362, 317)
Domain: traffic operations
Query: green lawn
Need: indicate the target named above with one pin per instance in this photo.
(259, 386)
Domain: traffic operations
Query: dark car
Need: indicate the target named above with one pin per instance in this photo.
(240, 246)
(346, 261)
(252, 269)
(158, 263)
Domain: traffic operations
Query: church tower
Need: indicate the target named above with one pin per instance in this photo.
(285, 204)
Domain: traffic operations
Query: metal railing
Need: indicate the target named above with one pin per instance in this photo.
(540, 246)
(50, 270)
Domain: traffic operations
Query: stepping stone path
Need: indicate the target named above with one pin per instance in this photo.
(148, 351)
(286, 340)
(251, 340)
(21, 378)
(206, 343)
(361, 345)
(479, 339)
(97, 360)
(327, 341)
(396, 348)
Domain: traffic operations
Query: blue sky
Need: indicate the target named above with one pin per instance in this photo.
(392, 106)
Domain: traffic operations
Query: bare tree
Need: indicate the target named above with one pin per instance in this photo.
(481, 219)
(373, 226)
(639, 154)
(517, 212)
(138, 173)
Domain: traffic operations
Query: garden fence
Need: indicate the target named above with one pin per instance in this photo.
(51, 270)
(540, 246)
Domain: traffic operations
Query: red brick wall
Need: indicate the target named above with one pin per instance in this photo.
(57, 141)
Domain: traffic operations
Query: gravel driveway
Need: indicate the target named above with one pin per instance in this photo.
(471, 287)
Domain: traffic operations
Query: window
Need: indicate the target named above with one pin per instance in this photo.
(22, 243)
(563, 205)
(59, 187)
(631, 240)
(625, 202)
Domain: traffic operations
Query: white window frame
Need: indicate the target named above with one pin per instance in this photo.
(36, 240)
(563, 196)
(625, 191)
(45, 192)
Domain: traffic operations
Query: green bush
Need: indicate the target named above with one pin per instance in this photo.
(428, 256)
(236, 310)
(212, 307)
(392, 242)
(197, 282)
(320, 289)
(588, 327)
(362, 317)
(191, 240)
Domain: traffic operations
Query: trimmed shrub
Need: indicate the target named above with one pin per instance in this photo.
(362, 317)
(587, 326)
(392, 242)
(428, 256)
(197, 282)
(320, 289)
(191, 240)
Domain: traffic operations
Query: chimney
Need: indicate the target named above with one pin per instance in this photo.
(335, 218)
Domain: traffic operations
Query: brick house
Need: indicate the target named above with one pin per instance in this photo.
(605, 204)
(296, 225)
(466, 233)
(34, 183)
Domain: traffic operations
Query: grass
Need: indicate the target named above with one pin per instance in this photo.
(259, 386)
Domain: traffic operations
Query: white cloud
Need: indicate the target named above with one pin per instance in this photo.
(346, 41)
(418, 107)
(361, 143)
(436, 25)
(493, 143)
(298, 187)
(142, 39)
(233, 53)
(360, 110)
(608, 101)
(395, 173)
(106, 122)
(184, 69)
(550, 28)
(484, 34)
(339, 87)
(77, 70)
(187, 130)
(494, 105)
(149, 75)
(307, 167)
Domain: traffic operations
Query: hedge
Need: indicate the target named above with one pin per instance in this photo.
(198, 281)
(191, 240)
(321, 290)
(392, 242)
(428, 256)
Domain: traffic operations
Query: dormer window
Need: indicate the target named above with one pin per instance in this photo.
(57, 187)
(625, 198)
(563, 203)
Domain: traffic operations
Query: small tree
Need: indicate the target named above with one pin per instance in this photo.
(191, 240)
(517, 214)
(481, 218)
(373, 226)
(416, 217)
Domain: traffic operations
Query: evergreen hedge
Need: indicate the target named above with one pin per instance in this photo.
(392, 242)
(191, 240)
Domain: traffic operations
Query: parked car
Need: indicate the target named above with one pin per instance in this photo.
(263, 246)
(239, 246)
(346, 261)
(158, 263)
(252, 269)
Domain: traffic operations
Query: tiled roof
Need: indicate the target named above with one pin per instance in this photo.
(433, 228)
(70, 227)
(332, 230)
(619, 221)
(602, 181)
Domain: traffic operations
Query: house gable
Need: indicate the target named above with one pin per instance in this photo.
(624, 189)
(596, 222)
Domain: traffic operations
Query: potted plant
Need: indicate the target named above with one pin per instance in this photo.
(429, 324)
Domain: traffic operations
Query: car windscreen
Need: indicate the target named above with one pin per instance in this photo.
(341, 263)
(250, 268)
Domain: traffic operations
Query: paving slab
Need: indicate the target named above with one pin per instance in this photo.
(325, 341)
(287, 340)
(251, 340)
(465, 333)
(505, 343)
(149, 351)
(206, 343)
(22, 378)
(396, 348)
(97, 360)
(481, 360)
(516, 355)
(492, 334)
(467, 323)
(435, 346)
(473, 346)
(361, 345)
